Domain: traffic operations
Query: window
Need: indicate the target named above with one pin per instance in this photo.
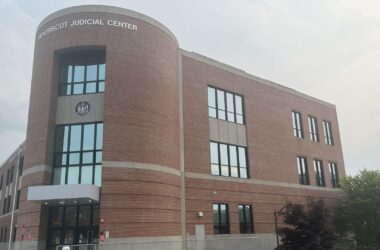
(319, 175)
(9, 204)
(11, 174)
(328, 133)
(225, 105)
(313, 129)
(8, 175)
(1, 182)
(18, 199)
(245, 219)
(228, 160)
(221, 219)
(334, 174)
(82, 73)
(21, 166)
(297, 124)
(65, 220)
(78, 154)
(5, 205)
(302, 171)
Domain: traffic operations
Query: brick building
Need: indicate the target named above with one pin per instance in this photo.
(131, 138)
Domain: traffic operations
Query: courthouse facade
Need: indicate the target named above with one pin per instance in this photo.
(132, 138)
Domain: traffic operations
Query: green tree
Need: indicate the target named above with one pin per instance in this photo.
(307, 228)
(358, 212)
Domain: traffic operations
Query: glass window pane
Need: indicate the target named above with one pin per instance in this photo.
(56, 216)
(230, 102)
(98, 175)
(69, 237)
(73, 175)
(101, 87)
(211, 97)
(99, 157)
(223, 213)
(88, 136)
(233, 156)
(71, 216)
(74, 159)
(212, 112)
(234, 172)
(223, 154)
(75, 138)
(68, 89)
(99, 136)
(91, 87)
(78, 88)
(243, 173)
(70, 74)
(215, 169)
(239, 119)
(214, 152)
(78, 73)
(55, 237)
(230, 117)
(221, 104)
(221, 114)
(84, 217)
(225, 171)
(60, 159)
(59, 176)
(86, 175)
(242, 157)
(61, 138)
(102, 72)
(239, 105)
(91, 73)
(95, 215)
(87, 158)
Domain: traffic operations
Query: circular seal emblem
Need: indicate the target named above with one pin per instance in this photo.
(82, 108)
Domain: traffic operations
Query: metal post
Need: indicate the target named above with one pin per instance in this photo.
(15, 187)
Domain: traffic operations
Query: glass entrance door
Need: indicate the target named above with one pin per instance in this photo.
(73, 225)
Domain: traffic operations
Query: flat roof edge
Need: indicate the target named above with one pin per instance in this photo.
(106, 9)
(13, 154)
(232, 69)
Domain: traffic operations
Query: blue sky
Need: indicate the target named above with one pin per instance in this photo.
(327, 49)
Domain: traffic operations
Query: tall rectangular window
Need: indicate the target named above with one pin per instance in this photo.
(1, 182)
(21, 166)
(313, 129)
(328, 133)
(297, 124)
(228, 160)
(319, 174)
(225, 105)
(8, 175)
(82, 73)
(18, 199)
(11, 174)
(221, 219)
(78, 154)
(302, 171)
(245, 219)
(334, 174)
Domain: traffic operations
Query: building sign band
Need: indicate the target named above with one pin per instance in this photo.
(87, 22)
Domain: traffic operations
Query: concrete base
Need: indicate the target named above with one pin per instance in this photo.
(194, 242)
(29, 245)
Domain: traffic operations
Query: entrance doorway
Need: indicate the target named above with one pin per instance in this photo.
(72, 225)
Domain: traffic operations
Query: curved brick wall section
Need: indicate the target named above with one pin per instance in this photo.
(141, 115)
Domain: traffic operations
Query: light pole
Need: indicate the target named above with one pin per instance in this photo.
(275, 223)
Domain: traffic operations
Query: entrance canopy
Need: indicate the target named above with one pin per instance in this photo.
(56, 195)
